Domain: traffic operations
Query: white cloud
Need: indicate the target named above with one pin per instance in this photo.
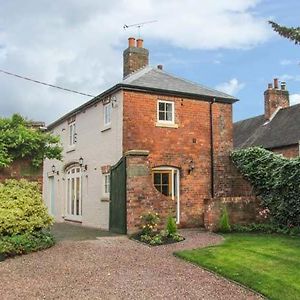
(232, 87)
(294, 99)
(78, 44)
(285, 62)
(289, 77)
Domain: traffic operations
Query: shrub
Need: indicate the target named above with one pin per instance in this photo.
(25, 243)
(266, 228)
(171, 226)
(275, 179)
(224, 225)
(21, 208)
(149, 223)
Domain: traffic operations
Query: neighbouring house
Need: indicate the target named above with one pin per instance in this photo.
(22, 168)
(153, 142)
(278, 129)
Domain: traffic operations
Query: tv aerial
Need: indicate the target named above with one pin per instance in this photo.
(138, 26)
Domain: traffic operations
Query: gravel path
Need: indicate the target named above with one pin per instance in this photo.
(115, 268)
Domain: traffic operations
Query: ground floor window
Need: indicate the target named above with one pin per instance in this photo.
(166, 181)
(74, 199)
(106, 184)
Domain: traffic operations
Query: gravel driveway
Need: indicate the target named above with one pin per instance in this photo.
(115, 268)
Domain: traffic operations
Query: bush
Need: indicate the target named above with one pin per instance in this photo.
(276, 180)
(266, 228)
(21, 208)
(150, 235)
(171, 226)
(25, 243)
(224, 225)
(149, 223)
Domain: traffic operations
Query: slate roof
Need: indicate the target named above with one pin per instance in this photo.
(282, 130)
(155, 80)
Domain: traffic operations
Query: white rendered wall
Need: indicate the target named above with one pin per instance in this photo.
(98, 146)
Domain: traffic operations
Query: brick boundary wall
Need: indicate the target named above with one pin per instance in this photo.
(22, 169)
(142, 197)
(241, 210)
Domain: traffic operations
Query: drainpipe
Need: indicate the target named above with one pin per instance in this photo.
(212, 181)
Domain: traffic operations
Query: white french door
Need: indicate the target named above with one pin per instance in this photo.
(74, 198)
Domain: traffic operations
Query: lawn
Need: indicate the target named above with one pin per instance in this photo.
(269, 264)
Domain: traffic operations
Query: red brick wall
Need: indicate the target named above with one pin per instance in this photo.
(178, 146)
(142, 196)
(22, 169)
(288, 151)
(241, 210)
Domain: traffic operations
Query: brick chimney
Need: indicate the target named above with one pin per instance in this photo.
(275, 98)
(135, 56)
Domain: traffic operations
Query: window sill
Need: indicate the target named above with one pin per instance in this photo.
(105, 199)
(106, 128)
(167, 125)
(70, 149)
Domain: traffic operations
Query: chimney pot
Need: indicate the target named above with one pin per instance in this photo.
(131, 42)
(160, 67)
(276, 86)
(139, 43)
(283, 85)
(270, 86)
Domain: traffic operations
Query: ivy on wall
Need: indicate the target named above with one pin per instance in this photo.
(276, 180)
(18, 140)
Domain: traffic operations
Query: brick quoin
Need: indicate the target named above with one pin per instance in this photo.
(178, 146)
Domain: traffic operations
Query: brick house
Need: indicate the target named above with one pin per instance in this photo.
(278, 129)
(153, 142)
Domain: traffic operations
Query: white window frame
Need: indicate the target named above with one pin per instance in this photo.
(173, 112)
(72, 134)
(107, 114)
(71, 195)
(106, 184)
(175, 195)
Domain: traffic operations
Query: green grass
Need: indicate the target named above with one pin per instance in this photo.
(269, 264)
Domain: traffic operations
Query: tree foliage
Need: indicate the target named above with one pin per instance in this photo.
(20, 140)
(292, 33)
(276, 179)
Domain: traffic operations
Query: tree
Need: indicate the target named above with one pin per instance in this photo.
(18, 139)
(292, 33)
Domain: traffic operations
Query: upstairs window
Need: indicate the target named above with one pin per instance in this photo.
(165, 112)
(72, 134)
(107, 109)
(106, 184)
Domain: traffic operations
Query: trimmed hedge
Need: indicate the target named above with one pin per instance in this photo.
(21, 208)
(276, 180)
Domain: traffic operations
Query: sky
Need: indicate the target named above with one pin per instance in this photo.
(224, 44)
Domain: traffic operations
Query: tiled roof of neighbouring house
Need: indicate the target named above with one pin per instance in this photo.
(282, 130)
(150, 79)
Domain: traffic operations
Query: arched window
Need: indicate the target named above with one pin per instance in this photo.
(74, 201)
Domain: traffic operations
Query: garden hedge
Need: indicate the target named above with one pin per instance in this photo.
(276, 180)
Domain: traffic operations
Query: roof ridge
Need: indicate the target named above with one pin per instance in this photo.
(247, 119)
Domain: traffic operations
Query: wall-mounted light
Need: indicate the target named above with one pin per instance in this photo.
(81, 164)
(191, 166)
(53, 168)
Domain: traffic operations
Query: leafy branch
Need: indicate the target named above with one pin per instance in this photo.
(291, 33)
